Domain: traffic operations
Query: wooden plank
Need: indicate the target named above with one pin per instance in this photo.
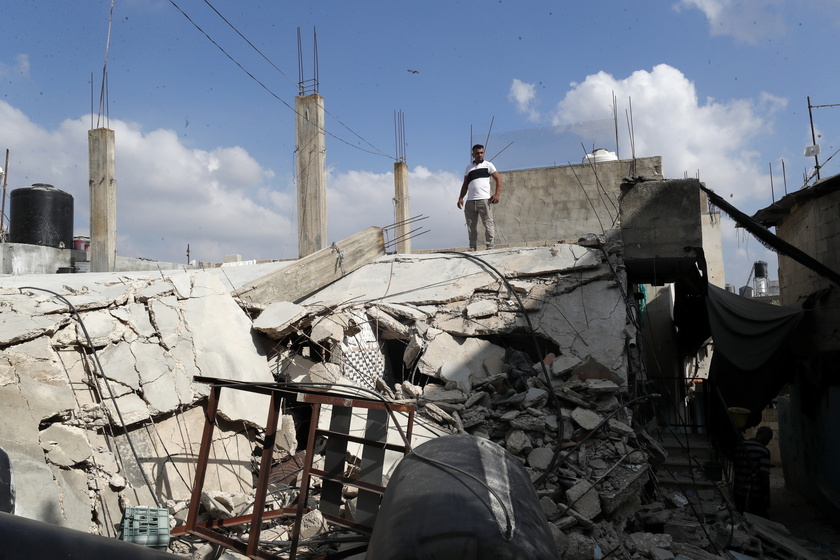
(314, 272)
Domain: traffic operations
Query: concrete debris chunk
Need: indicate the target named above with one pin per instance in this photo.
(279, 318)
(540, 458)
(65, 446)
(586, 419)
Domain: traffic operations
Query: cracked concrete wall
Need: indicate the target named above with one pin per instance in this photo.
(63, 415)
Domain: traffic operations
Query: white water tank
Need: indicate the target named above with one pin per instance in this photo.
(598, 155)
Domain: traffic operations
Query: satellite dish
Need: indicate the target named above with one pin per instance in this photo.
(811, 151)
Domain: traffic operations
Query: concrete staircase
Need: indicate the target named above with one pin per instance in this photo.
(690, 467)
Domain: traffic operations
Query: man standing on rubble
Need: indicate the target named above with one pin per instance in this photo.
(476, 188)
(751, 485)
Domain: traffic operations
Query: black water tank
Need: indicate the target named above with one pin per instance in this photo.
(41, 215)
(461, 498)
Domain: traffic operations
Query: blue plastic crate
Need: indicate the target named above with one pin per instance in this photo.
(146, 526)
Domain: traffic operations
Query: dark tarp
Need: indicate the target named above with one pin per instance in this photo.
(748, 331)
(751, 360)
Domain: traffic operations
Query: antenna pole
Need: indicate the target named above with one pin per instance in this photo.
(492, 119)
(772, 190)
(784, 175)
(813, 138)
(3, 211)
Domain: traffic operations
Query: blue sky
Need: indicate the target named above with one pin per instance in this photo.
(205, 153)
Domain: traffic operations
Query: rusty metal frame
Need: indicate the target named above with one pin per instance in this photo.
(277, 392)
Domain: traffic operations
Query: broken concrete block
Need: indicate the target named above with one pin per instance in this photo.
(387, 326)
(166, 317)
(593, 369)
(286, 435)
(325, 372)
(416, 345)
(439, 414)
(229, 353)
(528, 422)
(467, 352)
(601, 386)
(312, 524)
(684, 530)
(279, 319)
(481, 308)
(102, 327)
(438, 394)
(411, 391)
(645, 542)
(620, 427)
(157, 378)
(132, 409)
(583, 498)
(564, 363)
(586, 419)
(217, 504)
(540, 458)
(518, 442)
(535, 397)
(626, 483)
(47, 396)
(549, 508)
(326, 330)
(118, 365)
(65, 446)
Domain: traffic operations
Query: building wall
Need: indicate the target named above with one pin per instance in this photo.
(808, 424)
(22, 258)
(810, 417)
(564, 203)
(814, 228)
(712, 244)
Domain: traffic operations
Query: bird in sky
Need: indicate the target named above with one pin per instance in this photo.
(414, 71)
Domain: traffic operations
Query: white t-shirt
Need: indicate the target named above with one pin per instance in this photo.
(478, 175)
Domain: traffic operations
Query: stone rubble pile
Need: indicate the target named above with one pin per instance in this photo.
(85, 437)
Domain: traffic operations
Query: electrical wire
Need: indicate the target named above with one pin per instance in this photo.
(378, 152)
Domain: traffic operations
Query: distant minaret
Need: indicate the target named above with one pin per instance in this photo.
(103, 200)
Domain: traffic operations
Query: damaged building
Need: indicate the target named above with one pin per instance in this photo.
(267, 408)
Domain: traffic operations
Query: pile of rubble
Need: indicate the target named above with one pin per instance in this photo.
(530, 348)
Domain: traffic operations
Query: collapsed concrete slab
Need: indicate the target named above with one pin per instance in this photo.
(313, 272)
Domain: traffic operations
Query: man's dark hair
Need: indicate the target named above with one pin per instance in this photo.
(478, 147)
(764, 432)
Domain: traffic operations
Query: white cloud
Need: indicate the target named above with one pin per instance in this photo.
(748, 21)
(168, 195)
(711, 138)
(360, 199)
(523, 96)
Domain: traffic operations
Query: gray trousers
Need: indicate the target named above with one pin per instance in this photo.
(475, 209)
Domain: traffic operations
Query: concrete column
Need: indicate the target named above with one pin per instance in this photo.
(401, 206)
(103, 200)
(311, 174)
